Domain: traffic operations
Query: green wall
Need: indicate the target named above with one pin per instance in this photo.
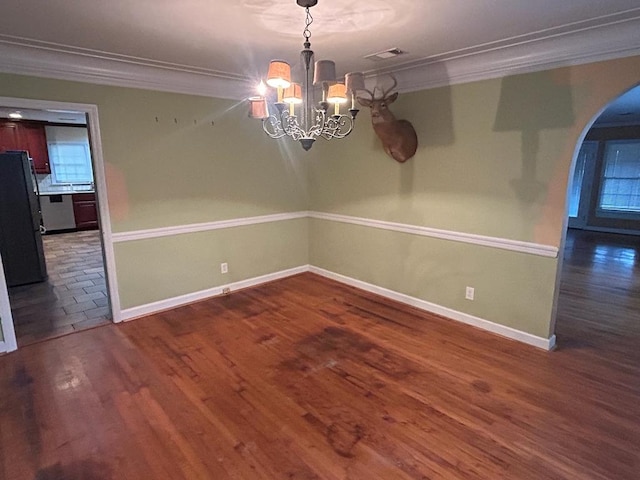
(194, 263)
(174, 159)
(493, 160)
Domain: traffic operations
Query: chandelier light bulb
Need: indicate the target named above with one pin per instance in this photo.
(262, 88)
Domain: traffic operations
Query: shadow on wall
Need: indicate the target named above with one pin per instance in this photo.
(529, 104)
(432, 117)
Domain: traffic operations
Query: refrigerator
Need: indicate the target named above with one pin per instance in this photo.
(20, 218)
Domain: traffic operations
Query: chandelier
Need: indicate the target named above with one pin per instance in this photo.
(296, 114)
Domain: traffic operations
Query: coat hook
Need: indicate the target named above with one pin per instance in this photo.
(175, 120)
(156, 119)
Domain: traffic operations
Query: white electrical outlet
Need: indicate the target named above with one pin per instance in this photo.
(224, 267)
(469, 294)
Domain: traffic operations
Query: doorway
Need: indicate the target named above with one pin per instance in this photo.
(605, 188)
(81, 289)
(599, 282)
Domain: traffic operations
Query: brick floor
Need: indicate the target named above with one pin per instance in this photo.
(73, 298)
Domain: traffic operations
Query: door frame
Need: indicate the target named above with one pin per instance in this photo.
(10, 344)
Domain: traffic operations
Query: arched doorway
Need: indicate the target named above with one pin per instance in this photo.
(599, 282)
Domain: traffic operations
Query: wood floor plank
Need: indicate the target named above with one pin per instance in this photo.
(305, 378)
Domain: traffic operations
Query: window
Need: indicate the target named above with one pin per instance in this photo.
(70, 162)
(620, 190)
(69, 154)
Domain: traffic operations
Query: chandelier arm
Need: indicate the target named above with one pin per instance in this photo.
(272, 127)
(337, 127)
(290, 125)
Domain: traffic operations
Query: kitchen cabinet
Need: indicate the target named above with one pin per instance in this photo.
(28, 136)
(34, 140)
(8, 136)
(85, 211)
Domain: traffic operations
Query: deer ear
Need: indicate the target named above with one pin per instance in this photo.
(364, 102)
(391, 98)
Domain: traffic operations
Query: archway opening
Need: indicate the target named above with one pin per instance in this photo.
(599, 279)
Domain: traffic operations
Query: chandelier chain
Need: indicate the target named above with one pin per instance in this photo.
(309, 20)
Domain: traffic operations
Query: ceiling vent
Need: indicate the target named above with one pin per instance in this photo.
(391, 53)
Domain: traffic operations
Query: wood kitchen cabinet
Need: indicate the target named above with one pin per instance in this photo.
(85, 211)
(8, 136)
(34, 139)
(29, 136)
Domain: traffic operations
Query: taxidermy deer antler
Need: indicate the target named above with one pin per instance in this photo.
(398, 137)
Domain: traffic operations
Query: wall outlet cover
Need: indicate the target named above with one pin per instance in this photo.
(469, 293)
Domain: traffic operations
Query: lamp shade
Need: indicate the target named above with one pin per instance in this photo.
(324, 72)
(337, 93)
(279, 75)
(258, 107)
(293, 93)
(354, 81)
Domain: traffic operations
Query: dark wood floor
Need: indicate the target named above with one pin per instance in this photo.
(73, 298)
(305, 378)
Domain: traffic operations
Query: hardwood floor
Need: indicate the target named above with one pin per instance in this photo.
(599, 307)
(305, 378)
(73, 298)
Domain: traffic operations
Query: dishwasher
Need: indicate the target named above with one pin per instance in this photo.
(57, 212)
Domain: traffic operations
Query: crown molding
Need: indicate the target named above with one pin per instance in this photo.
(25, 57)
(614, 37)
(617, 39)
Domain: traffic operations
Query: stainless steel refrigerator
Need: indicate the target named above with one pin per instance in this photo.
(20, 218)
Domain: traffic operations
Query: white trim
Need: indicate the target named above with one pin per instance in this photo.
(93, 124)
(482, 240)
(41, 59)
(604, 38)
(512, 333)
(9, 344)
(494, 242)
(169, 303)
(615, 37)
(202, 227)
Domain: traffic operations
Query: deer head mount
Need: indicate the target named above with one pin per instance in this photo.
(398, 137)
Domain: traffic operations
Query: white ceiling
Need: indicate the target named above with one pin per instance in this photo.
(233, 41)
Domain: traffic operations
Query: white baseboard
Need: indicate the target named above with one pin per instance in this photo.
(3, 347)
(512, 333)
(169, 303)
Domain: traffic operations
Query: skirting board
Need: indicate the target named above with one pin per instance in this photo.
(3, 347)
(159, 306)
(512, 333)
(508, 332)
